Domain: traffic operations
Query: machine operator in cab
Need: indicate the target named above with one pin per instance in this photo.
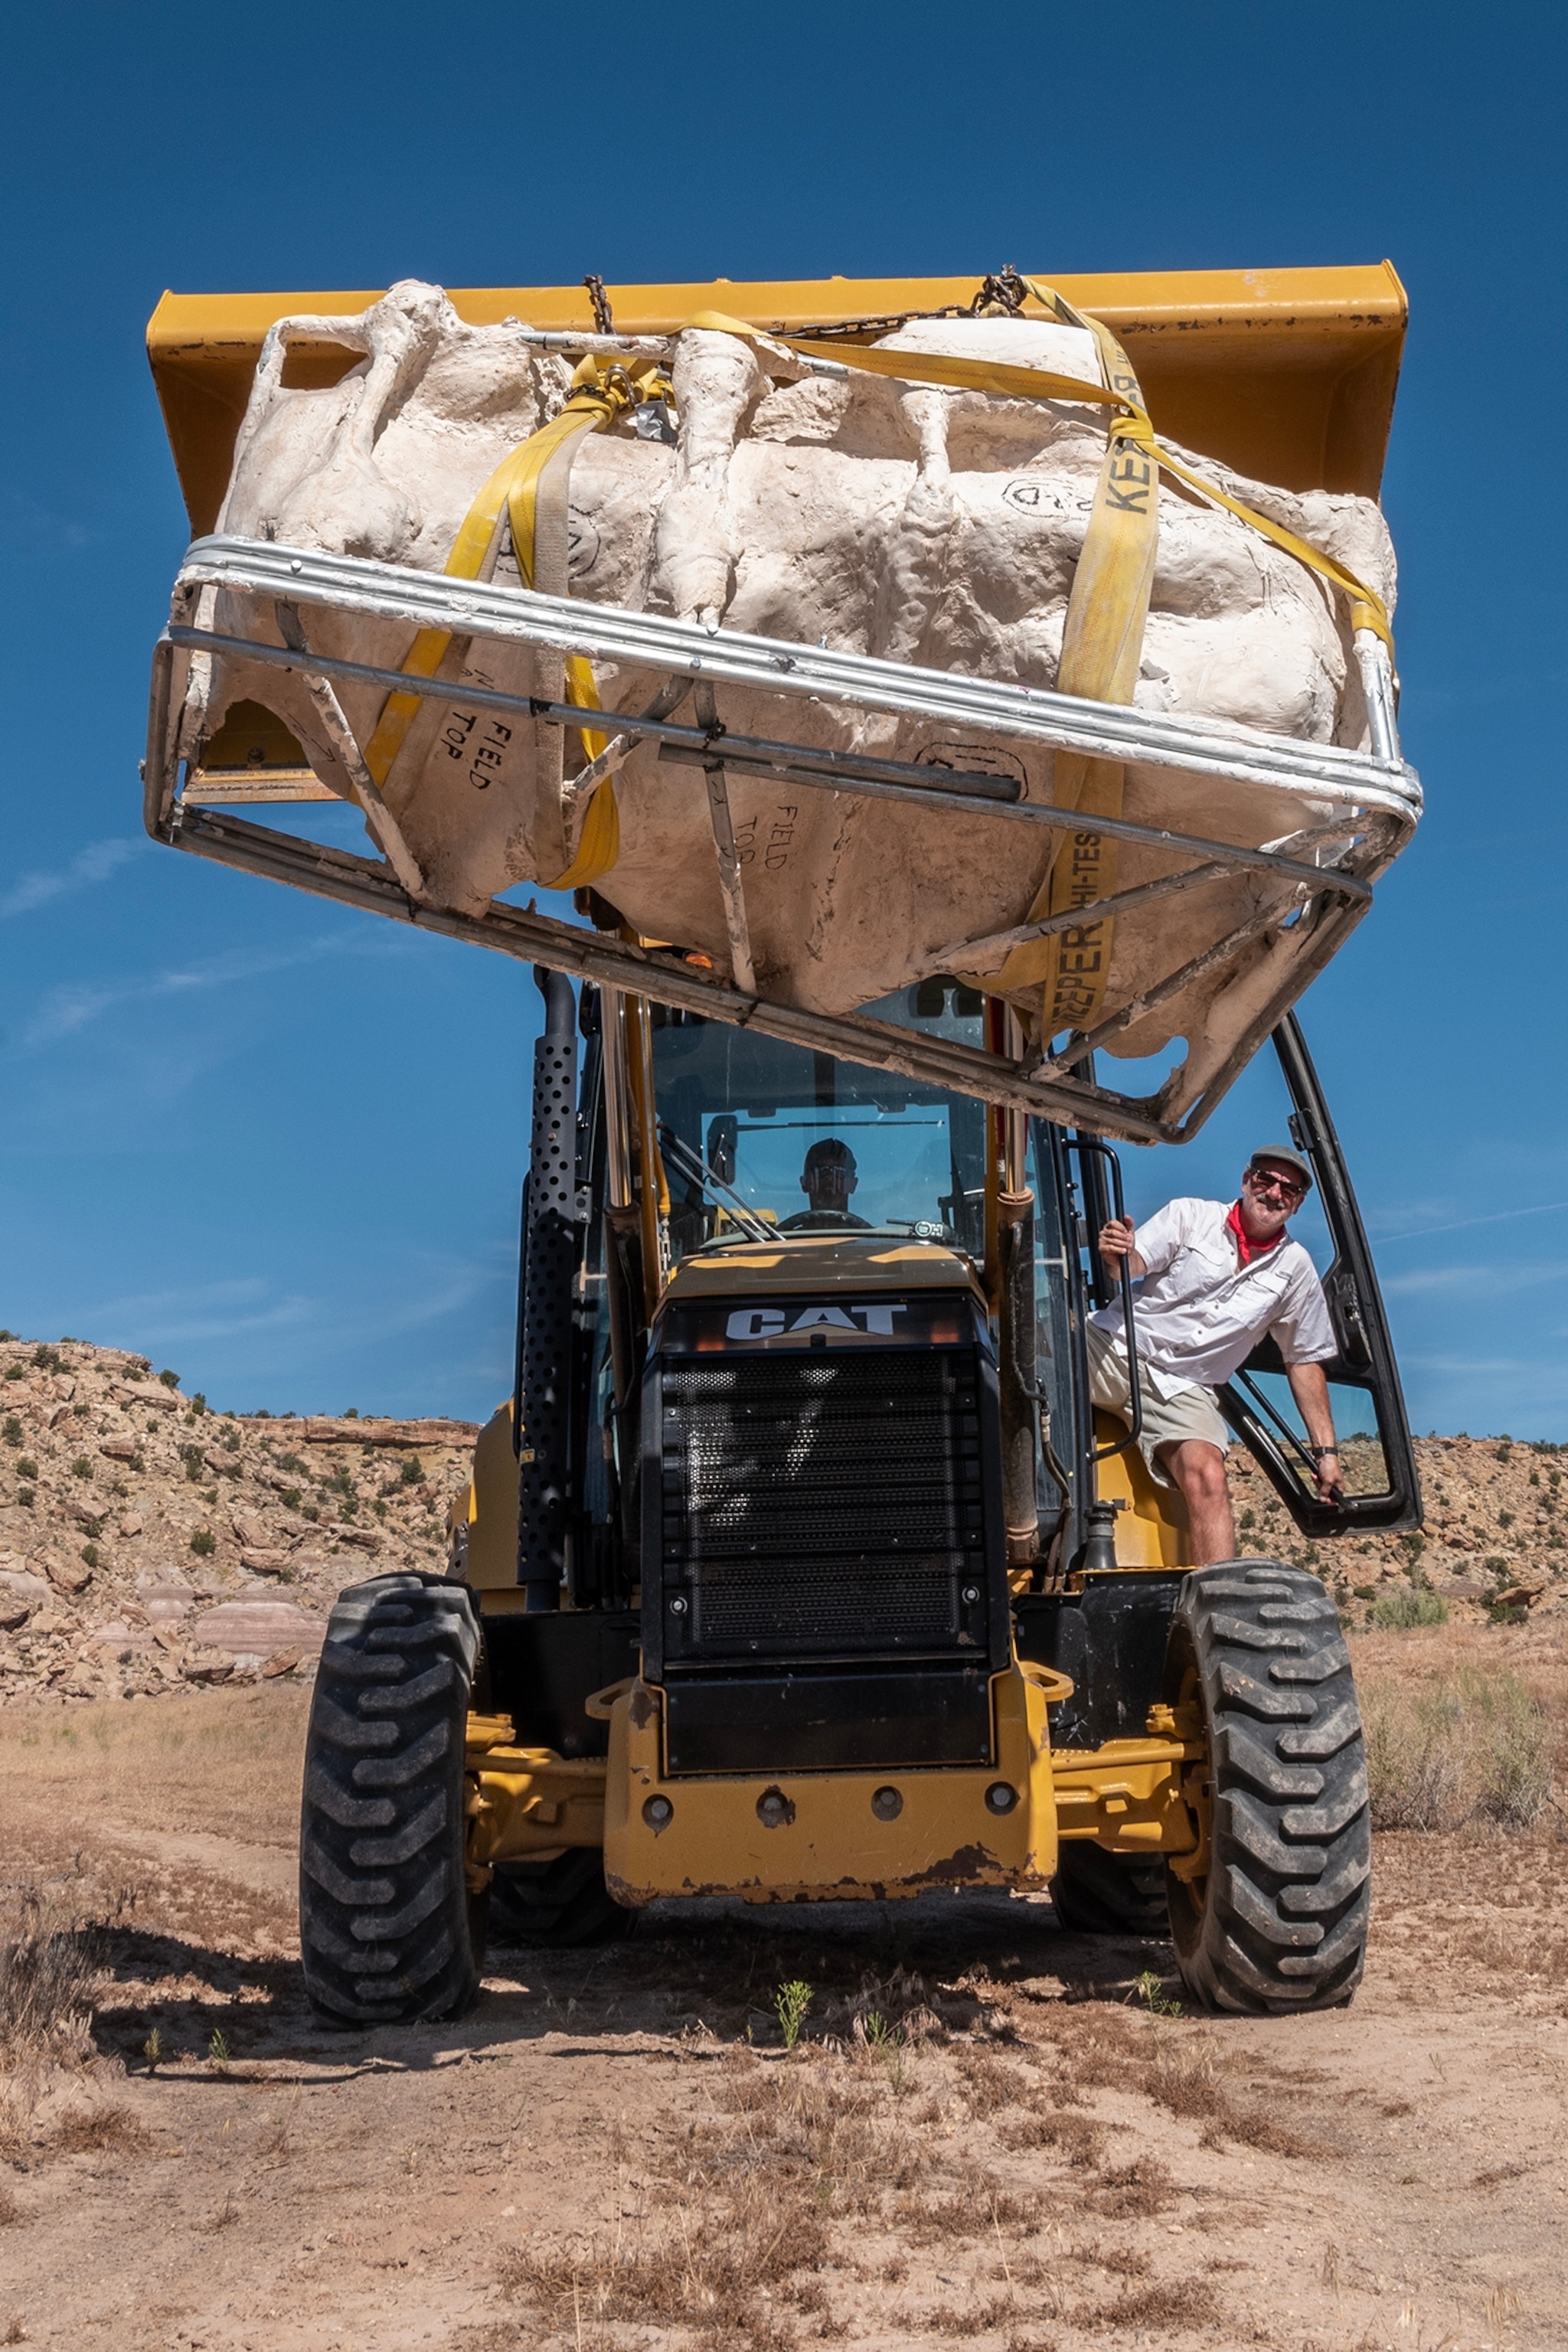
(1215, 1280)
(827, 1179)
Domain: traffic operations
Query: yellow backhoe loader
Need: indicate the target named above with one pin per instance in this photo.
(799, 1565)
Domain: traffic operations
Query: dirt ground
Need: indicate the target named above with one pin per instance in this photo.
(990, 2130)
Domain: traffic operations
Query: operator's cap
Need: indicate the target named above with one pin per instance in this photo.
(1282, 1157)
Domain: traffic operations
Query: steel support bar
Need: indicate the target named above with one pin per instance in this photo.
(728, 657)
(794, 763)
(612, 963)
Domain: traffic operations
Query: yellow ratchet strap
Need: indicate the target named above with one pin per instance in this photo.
(1102, 645)
(1367, 609)
(513, 489)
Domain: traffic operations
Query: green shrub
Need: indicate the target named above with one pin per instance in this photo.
(82, 1467)
(25, 1466)
(170, 1379)
(204, 1542)
(46, 1359)
(413, 1473)
(15, 1372)
(1400, 1610)
(1472, 1746)
(11, 1432)
(92, 1555)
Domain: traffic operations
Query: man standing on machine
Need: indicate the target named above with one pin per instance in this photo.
(1215, 1281)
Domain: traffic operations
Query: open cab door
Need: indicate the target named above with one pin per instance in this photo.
(1382, 1488)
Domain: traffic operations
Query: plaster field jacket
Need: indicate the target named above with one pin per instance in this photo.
(1199, 1314)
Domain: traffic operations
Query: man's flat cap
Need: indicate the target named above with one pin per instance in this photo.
(1279, 1155)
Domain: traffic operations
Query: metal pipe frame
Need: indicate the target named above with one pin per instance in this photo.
(1379, 796)
(727, 657)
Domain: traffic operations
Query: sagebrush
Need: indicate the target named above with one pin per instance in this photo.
(1470, 1745)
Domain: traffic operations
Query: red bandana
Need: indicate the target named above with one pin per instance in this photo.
(1246, 1245)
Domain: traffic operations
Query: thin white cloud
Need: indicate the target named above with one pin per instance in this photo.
(1500, 1217)
(96, 863)
(74, 1004)
(1495, 1281)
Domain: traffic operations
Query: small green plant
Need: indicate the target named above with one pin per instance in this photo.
(25, 1466)
(1507, 1612)
(889, 2045)
(231, 1439)
(1366, 1592)
(170, 1379)
(45, 1359)
(1505, 1518)
(153, 2050)
(204, 1543)
(190, 1455)
(350, 1412)
(791, 2004)
(218, 2051)
(92, 1555)
(198, 1405)
(1147, 1988)
(82, 1467)
(12, 1431)
(26, 1497)
(15, 1372)
(412, 1473)
(1398, 1612)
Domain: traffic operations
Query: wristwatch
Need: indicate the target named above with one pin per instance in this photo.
(1318, 1451)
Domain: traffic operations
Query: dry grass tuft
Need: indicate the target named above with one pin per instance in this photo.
(1073, 2137)
(1470, 1745)
(991, 2083)
(1185, 2080)
(715, 2271)
(91, 2131)
(1169, 2302)
(1130, 2191)
(49, 1974)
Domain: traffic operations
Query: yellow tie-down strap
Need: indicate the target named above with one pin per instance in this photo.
(1007, 382)
(514, 489)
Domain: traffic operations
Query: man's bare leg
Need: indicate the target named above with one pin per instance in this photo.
(1199, 1471)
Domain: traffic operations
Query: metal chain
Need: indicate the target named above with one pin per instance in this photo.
(603, 322)
(1001, 296)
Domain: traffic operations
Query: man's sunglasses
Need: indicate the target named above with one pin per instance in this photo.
(1286, 1186)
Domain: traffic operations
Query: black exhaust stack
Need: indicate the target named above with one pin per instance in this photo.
(549, 1262)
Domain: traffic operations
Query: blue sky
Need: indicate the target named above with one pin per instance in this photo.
(277, 1145)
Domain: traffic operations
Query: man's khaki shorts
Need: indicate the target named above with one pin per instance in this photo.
(1167, 1421)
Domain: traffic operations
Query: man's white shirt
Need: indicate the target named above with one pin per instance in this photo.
(1199, 1313)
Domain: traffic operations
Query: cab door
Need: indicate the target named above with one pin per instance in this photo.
(1382, 1488)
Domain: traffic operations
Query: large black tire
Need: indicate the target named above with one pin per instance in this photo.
(388, 1932)
(1277, 1922)
(1101, 1893)
(557, 1904)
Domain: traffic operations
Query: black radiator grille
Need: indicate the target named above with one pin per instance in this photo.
(823, 1503)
